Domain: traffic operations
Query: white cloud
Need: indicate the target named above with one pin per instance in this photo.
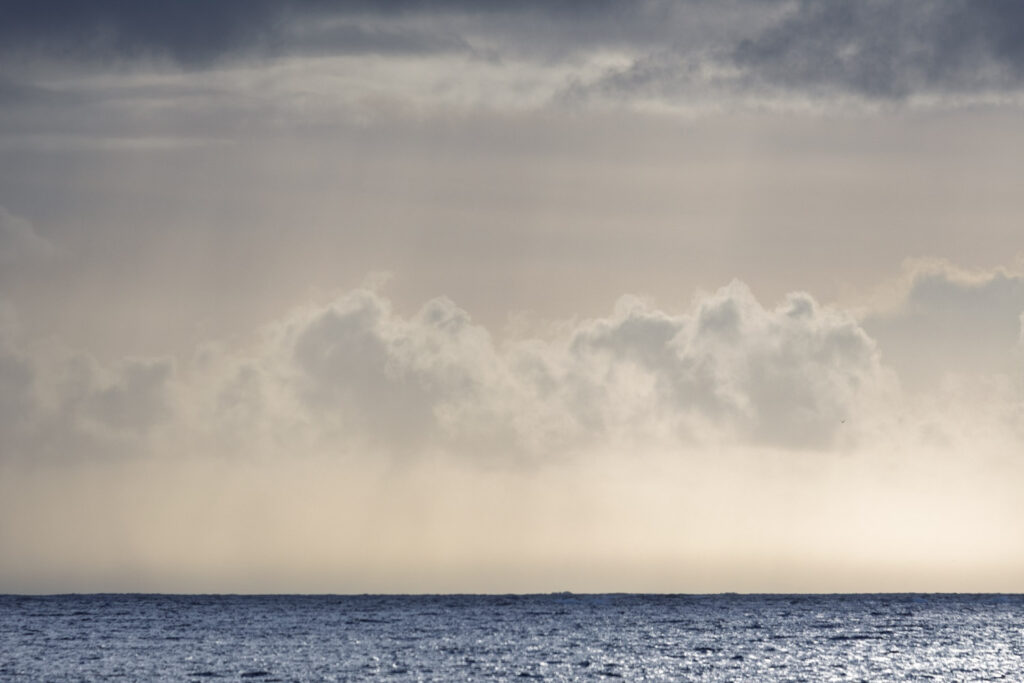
(786, 376)
(355, 376)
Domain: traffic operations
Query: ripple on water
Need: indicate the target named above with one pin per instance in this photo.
(549, 637)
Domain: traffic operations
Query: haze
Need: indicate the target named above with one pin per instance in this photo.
(511, 297)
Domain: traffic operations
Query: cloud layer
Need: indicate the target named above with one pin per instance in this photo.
(354, 376)
(354, 447)
(663, 50)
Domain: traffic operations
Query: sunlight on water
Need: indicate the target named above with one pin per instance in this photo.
(551, 637)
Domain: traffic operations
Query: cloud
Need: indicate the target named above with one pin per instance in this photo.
(61, 405)
(349, 38)
(189, 32)
(877, 50)
(950, 321)
(784, 377)
(729, 370)
(889, 49)
(198, 34)
(19, 243)
(356, 447)
(133, 398)
(356, 376)
(357, 59)
(17, 377)
(390, 378)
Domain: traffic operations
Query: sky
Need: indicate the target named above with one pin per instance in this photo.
(450, 296)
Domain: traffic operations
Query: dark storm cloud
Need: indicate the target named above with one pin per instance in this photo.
(875, 48)
(14, 93)
(196, 33)
(890, 49)
(879, 49)
(350, 38)
(190, 31)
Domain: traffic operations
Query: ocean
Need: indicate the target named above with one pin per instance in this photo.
(559, 637)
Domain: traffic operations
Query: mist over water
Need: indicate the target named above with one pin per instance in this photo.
(473, 637)
(681, 523)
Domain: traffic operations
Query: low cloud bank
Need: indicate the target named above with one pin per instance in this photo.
(350, 447)
(354, 375)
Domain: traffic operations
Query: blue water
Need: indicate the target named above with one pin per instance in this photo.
(551, 637)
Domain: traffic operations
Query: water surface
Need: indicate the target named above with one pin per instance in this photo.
(475, 637)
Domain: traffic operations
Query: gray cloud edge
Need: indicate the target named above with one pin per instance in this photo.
(878, 50)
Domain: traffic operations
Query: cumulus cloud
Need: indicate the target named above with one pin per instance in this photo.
(391, 378)
(951, 321)
(355, 375)
(785, 377)
(61, 405)
(728, 369)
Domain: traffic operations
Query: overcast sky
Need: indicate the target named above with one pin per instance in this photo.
(413, 296)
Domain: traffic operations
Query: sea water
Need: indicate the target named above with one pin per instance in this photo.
(477, 637)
